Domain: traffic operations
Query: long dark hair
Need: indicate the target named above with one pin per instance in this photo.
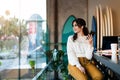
(80, 22)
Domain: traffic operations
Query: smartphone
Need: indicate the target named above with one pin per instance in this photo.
(92, 33)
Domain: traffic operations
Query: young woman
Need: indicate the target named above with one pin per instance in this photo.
(79, 50)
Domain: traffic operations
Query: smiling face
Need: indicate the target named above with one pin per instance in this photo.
(76, 28)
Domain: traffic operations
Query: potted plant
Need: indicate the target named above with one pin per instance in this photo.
(58, 64)
(32, 64)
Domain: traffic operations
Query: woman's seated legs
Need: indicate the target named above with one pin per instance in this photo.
(76, 73)
(94, 72)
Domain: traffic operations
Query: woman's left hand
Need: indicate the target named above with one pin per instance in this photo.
(89, 37)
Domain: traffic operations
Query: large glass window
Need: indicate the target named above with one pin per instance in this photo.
(22, 38)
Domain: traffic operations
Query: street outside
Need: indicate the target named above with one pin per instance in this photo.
(24, 63)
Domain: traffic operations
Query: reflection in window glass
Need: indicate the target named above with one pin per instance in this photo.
(22, 30)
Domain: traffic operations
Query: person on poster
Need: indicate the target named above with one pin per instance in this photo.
(32, 36)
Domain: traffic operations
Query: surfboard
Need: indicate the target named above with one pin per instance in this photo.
(108, 20)
(105, 24)
(111, 22)
(97, 18)
(101, 26)
(94, 29)
(66, 31)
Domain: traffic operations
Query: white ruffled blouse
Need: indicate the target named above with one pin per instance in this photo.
(78, 48)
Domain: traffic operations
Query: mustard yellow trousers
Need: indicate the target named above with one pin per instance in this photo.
(90, 69)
